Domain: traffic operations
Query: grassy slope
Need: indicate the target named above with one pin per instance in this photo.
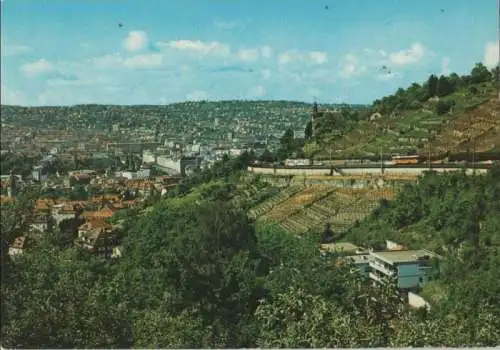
(450, 131)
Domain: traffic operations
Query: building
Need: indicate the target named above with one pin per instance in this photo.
(341, 248)
(41, 223)
(38, 173)
(361, 263)
(411, 268)
(17, 247)
(97, 236)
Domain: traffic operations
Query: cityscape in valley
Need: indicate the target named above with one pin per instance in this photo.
(238, 212)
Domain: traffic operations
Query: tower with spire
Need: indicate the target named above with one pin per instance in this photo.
(314, 116)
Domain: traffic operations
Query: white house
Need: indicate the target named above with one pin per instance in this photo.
(411, 268)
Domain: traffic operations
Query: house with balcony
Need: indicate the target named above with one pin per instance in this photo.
(411, 268)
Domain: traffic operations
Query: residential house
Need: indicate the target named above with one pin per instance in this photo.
(411, 268)
(41, 223)
(63, 211)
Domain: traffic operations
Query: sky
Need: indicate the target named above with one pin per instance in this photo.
(66, 52)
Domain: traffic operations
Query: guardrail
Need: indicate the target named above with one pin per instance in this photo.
(414, 169)
(376, 166)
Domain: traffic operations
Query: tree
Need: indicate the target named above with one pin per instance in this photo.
(59, 300)
(308, 131)
(267, 157)
(204, 256)
(480, 74)
(444, 87)
(443, 107)
(432, 84)
(287, 141)
(455, 81)
(79, 193)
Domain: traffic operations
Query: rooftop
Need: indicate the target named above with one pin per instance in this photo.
(403, 256)
(337, 247)
(359, 258)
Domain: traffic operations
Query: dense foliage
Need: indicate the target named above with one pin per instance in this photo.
(416, 94)
(197, 273)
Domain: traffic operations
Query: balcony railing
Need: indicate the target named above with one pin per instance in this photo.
(379, 267)
(376, 278)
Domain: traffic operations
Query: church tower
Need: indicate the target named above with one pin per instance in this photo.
(314, 116)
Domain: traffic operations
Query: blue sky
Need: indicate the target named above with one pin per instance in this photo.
(62, 52)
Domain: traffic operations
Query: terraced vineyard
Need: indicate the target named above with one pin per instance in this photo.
(298, 201)
(473, 120)
(480, 126)
(310, 209)
(268, 205)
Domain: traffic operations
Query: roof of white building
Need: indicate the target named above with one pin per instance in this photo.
(403, 256)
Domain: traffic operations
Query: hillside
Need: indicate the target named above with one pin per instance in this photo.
(305, 209)
(462, 114)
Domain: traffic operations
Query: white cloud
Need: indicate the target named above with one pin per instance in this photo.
(352, 67)
(294, 56)
(285, 58)
(491, 54)
(16, 50)
(198, 46)
(33, 69)
(266, 51)
(117, 61)
(266, 74)
(197, 95)
(135, 41)
(445, 65)
(257, 91)
(248, 55)
(107, 61)
(318, 57)
(404, 57)
(144, 61)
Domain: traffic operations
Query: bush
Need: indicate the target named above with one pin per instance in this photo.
(443, 107)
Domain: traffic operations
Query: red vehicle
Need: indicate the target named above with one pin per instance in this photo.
(398, 160)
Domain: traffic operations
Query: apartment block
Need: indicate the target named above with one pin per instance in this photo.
(411, 268)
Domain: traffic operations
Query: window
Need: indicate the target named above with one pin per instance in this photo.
(420, 279)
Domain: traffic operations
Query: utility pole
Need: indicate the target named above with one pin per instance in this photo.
(429, 157)
(381, 160)
(474, 157)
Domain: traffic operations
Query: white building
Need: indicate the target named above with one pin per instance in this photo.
(411, 268)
